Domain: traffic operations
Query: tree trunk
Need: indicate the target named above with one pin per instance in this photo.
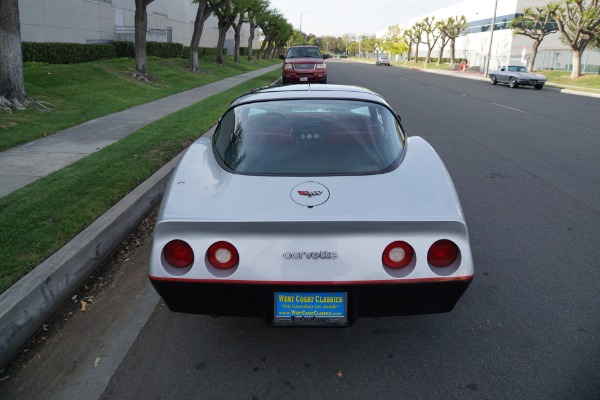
(262, 49)
(534, 49)
(251, 40)
(576, 72)
(441, 54)
(428, 57)
(141, 26)
(409, 51)
(452, 51)
(237, 27)
(223, 28)
(417, 51)
(194, 64)
(12, 83)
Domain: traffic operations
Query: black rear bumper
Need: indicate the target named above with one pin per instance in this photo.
(364, 300)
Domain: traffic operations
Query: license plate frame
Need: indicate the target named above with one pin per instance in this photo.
(310, 309)
(303, 79)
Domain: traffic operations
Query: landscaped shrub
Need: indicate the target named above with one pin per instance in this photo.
(66, 53)
(124, 49)
(72, 53)
(164, 50)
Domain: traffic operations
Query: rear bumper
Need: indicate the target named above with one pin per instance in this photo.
(364, 300)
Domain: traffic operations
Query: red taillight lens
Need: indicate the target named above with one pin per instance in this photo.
(179, 254)
(442, 253)
(222, 255)
(397, 254)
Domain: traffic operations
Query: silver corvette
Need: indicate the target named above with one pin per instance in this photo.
(310, 206)
(516, 75)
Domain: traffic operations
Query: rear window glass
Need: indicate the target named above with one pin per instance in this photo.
(306, 137)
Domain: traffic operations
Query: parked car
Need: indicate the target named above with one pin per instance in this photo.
(383, 59)
(517, 75)
(303, 64)
(310, 206)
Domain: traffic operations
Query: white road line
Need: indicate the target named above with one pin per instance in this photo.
(510, 108)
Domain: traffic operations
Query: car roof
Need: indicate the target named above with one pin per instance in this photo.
(310, 91)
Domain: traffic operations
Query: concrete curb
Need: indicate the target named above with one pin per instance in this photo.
(32, 300)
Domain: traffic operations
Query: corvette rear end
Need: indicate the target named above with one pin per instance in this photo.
(311, 243)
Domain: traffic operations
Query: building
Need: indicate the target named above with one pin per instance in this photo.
(104, 21)
(474, 44)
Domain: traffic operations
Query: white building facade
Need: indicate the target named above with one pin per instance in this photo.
(104, 21)
(474, 44)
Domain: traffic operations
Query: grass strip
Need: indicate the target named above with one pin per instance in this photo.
(81, 92)
(40, 218)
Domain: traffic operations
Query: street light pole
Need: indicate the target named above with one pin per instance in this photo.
(489, 54)
(301, 14)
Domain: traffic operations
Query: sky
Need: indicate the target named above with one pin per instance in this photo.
(362, 17)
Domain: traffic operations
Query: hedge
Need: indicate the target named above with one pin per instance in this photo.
(72, 53)
(66, 53)
(202, 51)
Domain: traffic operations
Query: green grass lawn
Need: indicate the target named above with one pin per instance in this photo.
(81, 92)
(40, 218)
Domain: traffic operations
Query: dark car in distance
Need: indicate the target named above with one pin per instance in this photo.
(303, 64)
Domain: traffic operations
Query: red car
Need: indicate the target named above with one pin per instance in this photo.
(303, 64)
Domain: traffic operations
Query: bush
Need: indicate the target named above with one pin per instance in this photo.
(66, 53)
(73, 53)
(124, 49)
(164, 50)
(203, 52)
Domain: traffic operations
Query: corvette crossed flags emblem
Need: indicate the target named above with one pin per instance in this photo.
(309, 193)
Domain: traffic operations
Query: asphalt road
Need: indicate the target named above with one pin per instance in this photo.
(526, 167)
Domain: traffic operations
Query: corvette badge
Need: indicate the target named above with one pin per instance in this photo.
(310, 194)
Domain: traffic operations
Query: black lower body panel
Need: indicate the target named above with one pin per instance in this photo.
(364, 300)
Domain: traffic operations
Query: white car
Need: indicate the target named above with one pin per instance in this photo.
(310, 206)
(383, 59)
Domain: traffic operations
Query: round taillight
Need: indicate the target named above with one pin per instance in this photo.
(442, 253)
(179, 254)
(397, 255)
(222, 255)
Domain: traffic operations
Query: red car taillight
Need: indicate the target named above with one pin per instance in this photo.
(222, 255)
(442, 253)
(179, 254)
(397, 255)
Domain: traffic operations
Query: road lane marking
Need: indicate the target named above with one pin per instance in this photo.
(403, 78)
(510, 108)
(438, 88)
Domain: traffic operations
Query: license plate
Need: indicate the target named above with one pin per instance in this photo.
(303, 79)
(311, 309)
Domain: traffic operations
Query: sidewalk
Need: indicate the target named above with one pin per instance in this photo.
(27, 163)
(32, 300)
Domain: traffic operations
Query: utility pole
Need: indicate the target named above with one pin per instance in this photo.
(489, 54)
